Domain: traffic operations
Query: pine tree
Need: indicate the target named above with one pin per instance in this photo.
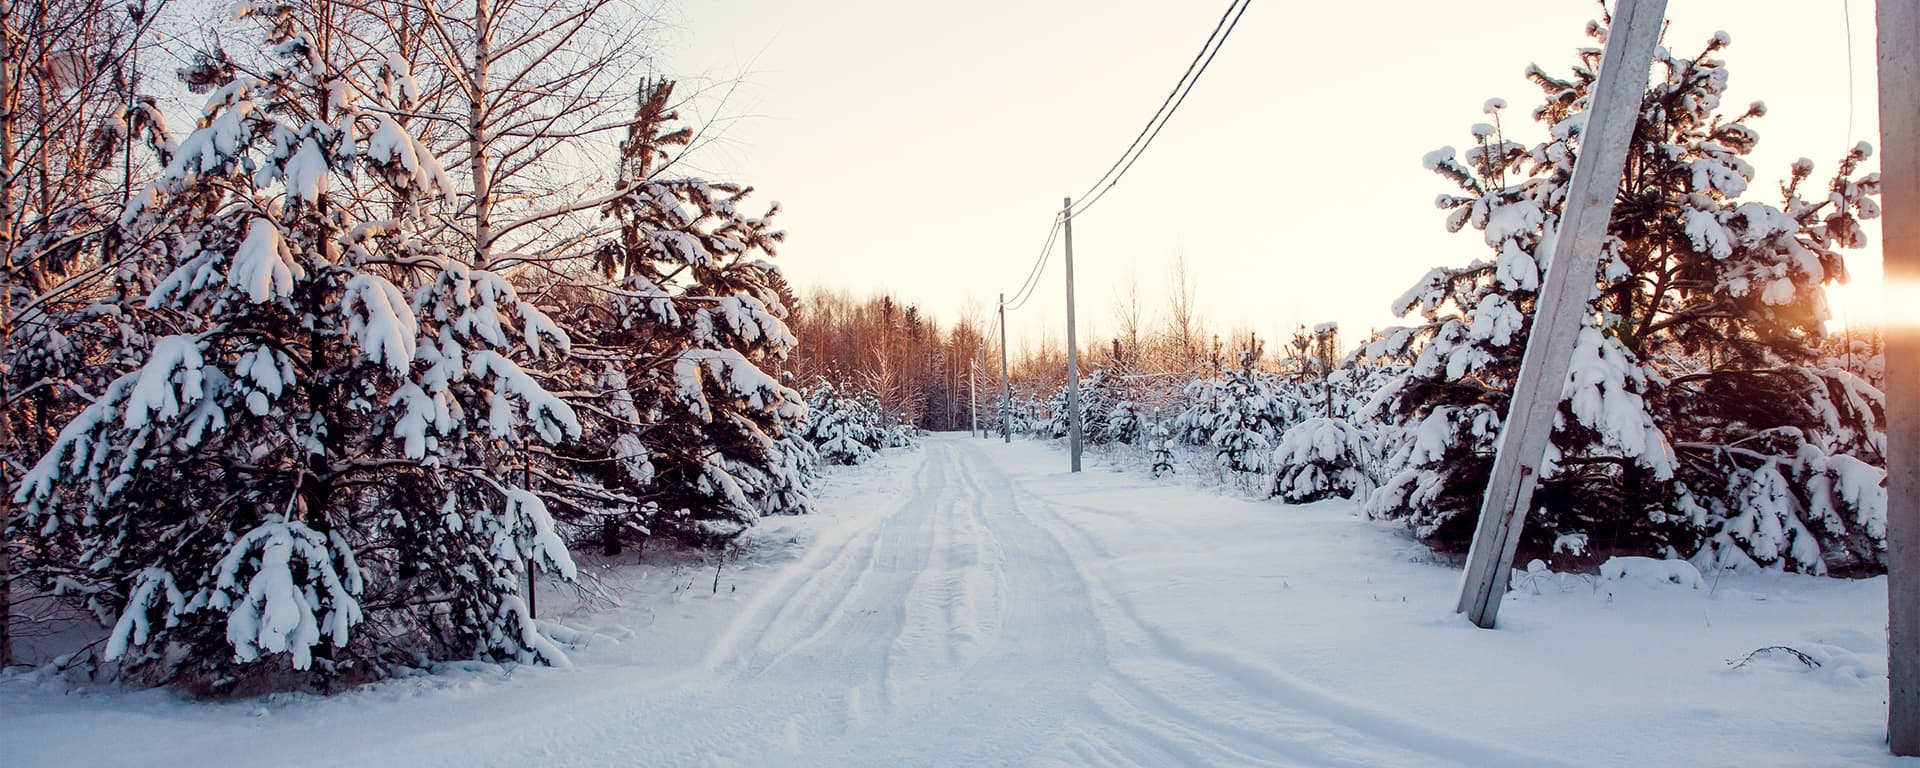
(1059, 424)
(1321, 458)
(1695, 390)
(1122, 425)
(325, 434)
(842, 429)
(687, 321)
(1238, 414)
(1161, 441)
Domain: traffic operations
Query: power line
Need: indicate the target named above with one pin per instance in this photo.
(1222, 29)
(1209, 49)
(1033, 276)
(1217, 26)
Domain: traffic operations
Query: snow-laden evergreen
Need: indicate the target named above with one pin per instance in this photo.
(1160, 442)
(1321, 458)
(1696, 390)
(850, 427)
(1107, 414)
(1122, 425)
(841, 428)
(683, 330)
(322, 438)
(1237, 414)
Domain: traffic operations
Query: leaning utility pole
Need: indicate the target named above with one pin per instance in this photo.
(1899, 33)
(1006, 389)
(1561, 308)
(1073, 346)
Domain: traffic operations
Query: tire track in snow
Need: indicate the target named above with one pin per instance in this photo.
(1020, 687)
(1130, 708)
(805, 602)
(845, 654)
(981, 607)
(1246, 701)
(945, 631)
(921, 649)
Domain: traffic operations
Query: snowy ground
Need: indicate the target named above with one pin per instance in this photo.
(971, 603)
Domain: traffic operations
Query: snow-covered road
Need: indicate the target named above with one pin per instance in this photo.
(966, 629)
(960, 626)
(970, 603)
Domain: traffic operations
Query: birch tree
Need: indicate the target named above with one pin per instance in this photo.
(75, 134)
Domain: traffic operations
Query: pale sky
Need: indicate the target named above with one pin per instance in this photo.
(922, 147)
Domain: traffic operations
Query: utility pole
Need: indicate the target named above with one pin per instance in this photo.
(1899, 32)
(1562, 305)
(1006, 389)
(982, 357)
(973, 396)
(1073, 346)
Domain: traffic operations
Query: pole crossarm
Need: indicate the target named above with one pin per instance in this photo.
(1561, 307)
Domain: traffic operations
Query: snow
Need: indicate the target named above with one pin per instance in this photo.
(208, 149)
(263, 267)
(550, 416)
(154, 586)
(1602, 391)
(972, 603)
(381, 321)
(277, 611)
(392, 146)
(171, 379)
(306, 172)
(539, 541)
(1647, 569)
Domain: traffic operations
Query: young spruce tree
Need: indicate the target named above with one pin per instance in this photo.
(686, 321)
(1699, 416)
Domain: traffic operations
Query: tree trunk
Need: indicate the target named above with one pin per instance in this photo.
(9, 443)
(477, 139)
(609, 537)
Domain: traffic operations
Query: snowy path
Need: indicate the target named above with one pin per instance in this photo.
(971, 603)
(961, 627)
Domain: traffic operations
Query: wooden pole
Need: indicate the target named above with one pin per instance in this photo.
(1561, 307)
(980, 359)
(1073, 347)
(1006, 388)
(973, 397)
(1899, 33)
